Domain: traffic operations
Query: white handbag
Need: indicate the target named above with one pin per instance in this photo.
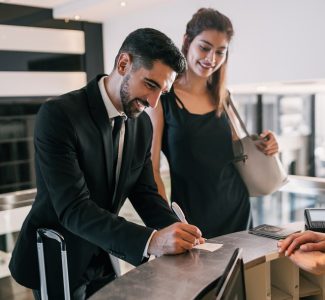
(261, 174)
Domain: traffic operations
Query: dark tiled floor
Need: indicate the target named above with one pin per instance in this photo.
(11, 290)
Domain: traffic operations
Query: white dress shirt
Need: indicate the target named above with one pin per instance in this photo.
(112, 112)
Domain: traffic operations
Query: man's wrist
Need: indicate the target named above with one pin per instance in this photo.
(145, 252)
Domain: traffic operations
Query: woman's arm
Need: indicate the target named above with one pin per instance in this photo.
(157, 119)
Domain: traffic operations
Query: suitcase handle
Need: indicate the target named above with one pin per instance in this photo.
(52, 234)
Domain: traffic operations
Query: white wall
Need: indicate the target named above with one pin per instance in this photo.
(165, 17)
(31, 39)
(274, 40)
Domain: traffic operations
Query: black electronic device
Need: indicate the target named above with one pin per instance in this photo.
(270, 231)
(315, 219)
(231, 284)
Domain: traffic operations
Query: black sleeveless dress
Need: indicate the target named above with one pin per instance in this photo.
(204, 181)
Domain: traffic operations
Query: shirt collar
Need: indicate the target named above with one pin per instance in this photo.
(110, 108)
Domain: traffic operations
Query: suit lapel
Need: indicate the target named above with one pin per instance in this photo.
(130, 127)
(99, 114)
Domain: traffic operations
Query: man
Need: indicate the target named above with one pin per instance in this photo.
(82, 182)
(305, 249)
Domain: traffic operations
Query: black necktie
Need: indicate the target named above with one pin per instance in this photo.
(116, 138)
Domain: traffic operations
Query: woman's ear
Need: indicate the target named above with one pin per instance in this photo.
(123, 63)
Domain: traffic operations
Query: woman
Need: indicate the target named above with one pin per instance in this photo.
(192, 130)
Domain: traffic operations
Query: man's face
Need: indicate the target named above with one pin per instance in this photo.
(142, 88)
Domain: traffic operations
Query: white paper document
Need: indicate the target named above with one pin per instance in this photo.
(209, 246)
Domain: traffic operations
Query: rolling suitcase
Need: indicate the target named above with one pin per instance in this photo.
(52, 234)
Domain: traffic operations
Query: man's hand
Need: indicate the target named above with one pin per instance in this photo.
(305, 241)
(174, 239)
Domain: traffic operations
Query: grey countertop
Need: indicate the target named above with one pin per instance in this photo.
(183, 276)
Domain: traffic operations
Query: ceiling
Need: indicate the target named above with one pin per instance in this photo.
(102, 10)
(87, 10)
(38, 3)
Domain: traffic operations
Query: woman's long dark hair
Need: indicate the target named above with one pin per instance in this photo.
(207, 19)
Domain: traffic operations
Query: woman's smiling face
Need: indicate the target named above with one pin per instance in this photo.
(207, 52)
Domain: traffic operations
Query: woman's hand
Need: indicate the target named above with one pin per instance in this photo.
(267, 143)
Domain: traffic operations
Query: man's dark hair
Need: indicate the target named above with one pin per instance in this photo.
(146, 45)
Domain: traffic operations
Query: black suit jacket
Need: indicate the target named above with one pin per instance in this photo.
(73, 158)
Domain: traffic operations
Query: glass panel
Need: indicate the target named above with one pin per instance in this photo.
(288, 205)
(17, 121)
(247, 107)
(291, 118)
(320, 135)
(283, 207)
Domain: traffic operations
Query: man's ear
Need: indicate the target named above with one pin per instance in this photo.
(186, 43)
(185, 38)
(123, 63)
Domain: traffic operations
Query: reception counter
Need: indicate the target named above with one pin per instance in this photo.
(14, 208)
(268, 275)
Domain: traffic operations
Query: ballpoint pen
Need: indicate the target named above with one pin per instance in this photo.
(179, 213)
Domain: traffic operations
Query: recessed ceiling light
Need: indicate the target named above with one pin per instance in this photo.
(123, 3)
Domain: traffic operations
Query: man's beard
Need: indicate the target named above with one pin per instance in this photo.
(129, 105)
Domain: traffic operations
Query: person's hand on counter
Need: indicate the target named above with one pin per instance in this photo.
(305, 249)
(313, 261)
(175, 239)
(305, 241)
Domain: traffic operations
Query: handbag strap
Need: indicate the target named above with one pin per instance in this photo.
(231, 117)
(240, 154)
